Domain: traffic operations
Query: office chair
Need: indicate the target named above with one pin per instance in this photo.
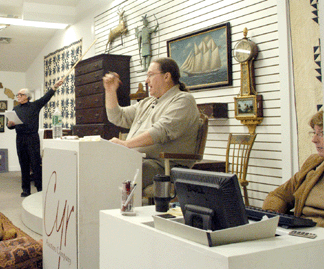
(237, 158)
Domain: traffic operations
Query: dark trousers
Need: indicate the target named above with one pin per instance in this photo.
(28, 149)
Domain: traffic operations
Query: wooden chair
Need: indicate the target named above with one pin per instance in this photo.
(197, 156)
(237, 158)
(167, 157)
(200, 146)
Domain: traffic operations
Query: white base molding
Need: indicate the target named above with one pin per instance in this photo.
(32, 214)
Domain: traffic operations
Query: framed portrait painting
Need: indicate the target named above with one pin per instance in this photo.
(3, 106)
(204, 57)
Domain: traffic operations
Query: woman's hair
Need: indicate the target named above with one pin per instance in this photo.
(170, 65)
(27, 93)
(317, 119)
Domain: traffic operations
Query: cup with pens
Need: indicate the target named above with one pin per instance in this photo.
(128, 189)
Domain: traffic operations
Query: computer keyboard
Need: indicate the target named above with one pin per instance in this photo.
(285, 220)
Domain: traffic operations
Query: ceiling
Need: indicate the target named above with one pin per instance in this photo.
(27, 42)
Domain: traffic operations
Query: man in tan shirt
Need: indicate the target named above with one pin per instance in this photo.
(166, 121)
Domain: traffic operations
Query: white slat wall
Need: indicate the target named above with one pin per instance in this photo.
(180, 17)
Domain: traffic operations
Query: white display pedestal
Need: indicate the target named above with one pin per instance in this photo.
(79, 179)
(133, 242)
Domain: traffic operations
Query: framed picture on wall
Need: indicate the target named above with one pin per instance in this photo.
(3, 106)
(2, 123)
(204, 57)
(247, 107)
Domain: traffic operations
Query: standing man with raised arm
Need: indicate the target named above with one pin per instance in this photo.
(27, 140)
(166, 121)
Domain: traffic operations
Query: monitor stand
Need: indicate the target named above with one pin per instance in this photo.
(198, 217)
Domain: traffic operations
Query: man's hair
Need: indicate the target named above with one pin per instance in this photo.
(169, 65)
(317, 119)
(27, 93)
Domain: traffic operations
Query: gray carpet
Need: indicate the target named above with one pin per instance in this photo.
(10, 200)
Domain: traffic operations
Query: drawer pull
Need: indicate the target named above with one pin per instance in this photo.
(97, 115)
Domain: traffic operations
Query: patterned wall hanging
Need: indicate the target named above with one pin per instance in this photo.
(305, 34)
(56, 65)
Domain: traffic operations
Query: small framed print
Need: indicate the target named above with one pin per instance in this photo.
(248, 107)
(3, 106)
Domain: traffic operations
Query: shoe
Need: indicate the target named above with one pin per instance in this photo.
(25, 193)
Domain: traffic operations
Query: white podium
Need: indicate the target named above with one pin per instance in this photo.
(80, 178)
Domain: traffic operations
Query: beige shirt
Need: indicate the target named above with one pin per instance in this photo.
(172, 121)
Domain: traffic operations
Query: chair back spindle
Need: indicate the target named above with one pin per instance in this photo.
(237, 158)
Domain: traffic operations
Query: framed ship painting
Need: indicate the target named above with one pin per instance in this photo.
(204, 57)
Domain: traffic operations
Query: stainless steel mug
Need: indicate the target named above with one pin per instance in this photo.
(162, 192)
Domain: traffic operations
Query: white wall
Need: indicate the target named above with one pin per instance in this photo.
(13, 81)
(34, 77)
(271, 160)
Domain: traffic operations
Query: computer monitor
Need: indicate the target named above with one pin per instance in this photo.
(209, 200)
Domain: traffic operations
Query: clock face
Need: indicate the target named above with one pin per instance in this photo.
(243, 51)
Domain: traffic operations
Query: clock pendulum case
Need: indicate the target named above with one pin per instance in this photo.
(245, 51)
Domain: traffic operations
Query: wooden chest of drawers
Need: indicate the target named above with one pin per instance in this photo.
(91, 117)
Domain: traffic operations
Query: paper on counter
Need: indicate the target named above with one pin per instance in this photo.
(12, 116)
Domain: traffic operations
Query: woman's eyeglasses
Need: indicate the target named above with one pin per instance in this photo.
(312, 134)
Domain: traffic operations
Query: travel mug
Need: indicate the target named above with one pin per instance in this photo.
(162, 192)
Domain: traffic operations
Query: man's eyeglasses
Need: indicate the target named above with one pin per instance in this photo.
(20, 94)
(150, 75)
(312, 134)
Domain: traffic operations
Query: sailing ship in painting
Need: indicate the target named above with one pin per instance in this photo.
(203, 59)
